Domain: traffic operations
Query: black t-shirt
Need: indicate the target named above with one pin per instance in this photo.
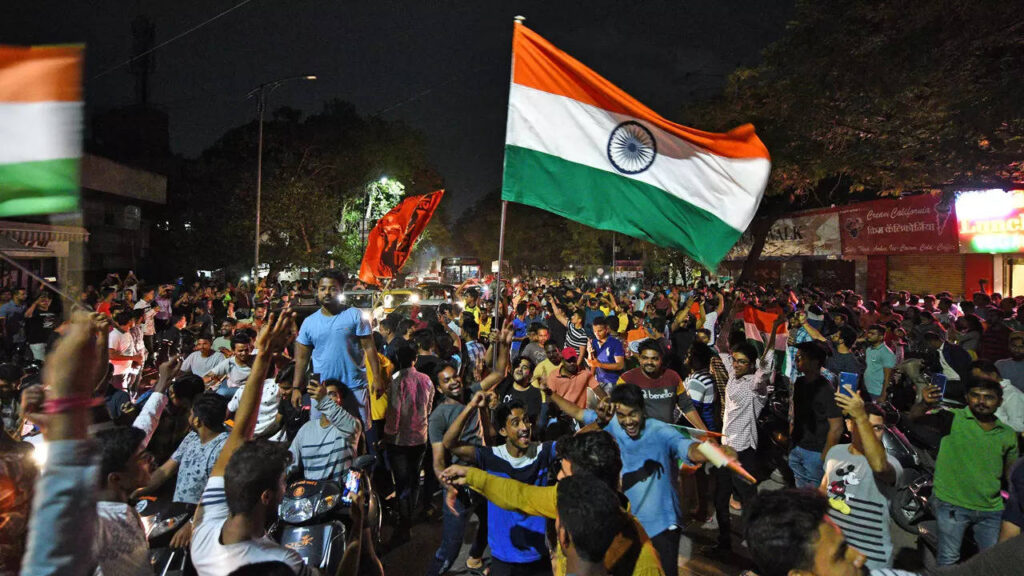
(531, 397)
(39, 327)
(682, 339)
(813, 405)
(428, 365)
(556, 330)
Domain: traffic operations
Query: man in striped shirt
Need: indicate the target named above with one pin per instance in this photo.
(323, 449)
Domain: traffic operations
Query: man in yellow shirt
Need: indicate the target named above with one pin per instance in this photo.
(552, 360)
(592, 453)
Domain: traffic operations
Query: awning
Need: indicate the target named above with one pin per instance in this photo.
(40, 234)
(15, 249)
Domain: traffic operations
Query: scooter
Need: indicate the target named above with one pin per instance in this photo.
(773, 433)
(314, 517)
(161, 518)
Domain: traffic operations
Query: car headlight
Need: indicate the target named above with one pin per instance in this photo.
(296, 511)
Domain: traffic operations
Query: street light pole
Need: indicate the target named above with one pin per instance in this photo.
(261, 92)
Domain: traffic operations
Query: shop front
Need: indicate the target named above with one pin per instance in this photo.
(990, 228)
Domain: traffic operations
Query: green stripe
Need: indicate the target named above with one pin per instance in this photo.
(608, 201)
(44, 187)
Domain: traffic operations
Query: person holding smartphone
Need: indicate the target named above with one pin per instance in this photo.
(860, 478)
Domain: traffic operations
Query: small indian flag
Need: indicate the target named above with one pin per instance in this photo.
(580, 147)
(40, 129)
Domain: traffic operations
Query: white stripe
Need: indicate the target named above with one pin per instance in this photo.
(729, 188)
(33, 131)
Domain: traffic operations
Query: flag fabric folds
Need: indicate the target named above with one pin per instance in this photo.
(40, 129)
(757, 325)
(391, 240)
(580, 147)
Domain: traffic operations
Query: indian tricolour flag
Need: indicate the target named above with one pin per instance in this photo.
(580, 147)
(40, 129)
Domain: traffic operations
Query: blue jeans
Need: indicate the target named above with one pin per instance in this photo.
(953, 521)
(454, 529)
(807, 467)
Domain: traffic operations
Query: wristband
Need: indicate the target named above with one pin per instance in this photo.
(69, 404)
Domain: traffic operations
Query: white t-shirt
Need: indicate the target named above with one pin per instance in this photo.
(211, 558)
(148, 323)
(268, 408)
(125, 345)
(196, 364)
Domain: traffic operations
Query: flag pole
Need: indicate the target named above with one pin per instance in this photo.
(504, 209)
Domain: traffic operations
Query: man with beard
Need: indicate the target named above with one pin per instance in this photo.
(454, 395)
(975, 455)
(651, 450)
(203, 361)
(1012, 368)
(663, 388)
(571, 382)
(233, 371)
(222, 343)
(340, 342)
(516, 386)
(517, 541)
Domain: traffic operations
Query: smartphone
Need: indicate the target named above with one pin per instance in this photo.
(352, 481)
(850, 379)
(939, 379)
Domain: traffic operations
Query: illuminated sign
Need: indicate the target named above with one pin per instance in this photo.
(990, 221)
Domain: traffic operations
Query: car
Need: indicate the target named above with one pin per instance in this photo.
(362, 299)
(436, 290)
(391, 299)
(425, 310)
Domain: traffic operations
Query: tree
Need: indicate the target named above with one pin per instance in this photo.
(317, 173)
(865, 98)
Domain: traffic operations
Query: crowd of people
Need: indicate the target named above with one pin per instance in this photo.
(584, 426)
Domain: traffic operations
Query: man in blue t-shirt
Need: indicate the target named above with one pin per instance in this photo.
(517, 541)
(651, 452)
(339, 338)
(606, 355)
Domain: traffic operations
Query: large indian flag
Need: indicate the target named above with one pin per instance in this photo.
(580, 147)
(40, 129)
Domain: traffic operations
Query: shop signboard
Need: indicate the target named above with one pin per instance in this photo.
(911, 225)
(990, 221)
(808, 234)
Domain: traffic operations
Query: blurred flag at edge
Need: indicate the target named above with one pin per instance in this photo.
(41, 112)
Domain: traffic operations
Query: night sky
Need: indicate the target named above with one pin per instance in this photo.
(441, 66)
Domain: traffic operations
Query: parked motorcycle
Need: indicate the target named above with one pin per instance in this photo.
(314, 516)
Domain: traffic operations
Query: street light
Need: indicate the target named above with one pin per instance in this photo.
(261, 92)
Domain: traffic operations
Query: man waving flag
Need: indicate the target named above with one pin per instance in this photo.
(580, 147)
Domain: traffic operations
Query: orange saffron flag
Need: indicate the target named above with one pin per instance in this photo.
(390, 242)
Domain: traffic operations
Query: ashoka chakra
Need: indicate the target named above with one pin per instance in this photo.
(631, 147)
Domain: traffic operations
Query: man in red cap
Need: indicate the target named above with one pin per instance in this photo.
(571, 382)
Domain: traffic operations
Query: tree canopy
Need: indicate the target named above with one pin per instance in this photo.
(318, 174)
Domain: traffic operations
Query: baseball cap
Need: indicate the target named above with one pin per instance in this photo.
(569, 353)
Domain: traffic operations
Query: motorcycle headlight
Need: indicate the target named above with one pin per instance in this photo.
(414, 298)
(164, 525)
(296, 511)
(325, 504)
(388, 300)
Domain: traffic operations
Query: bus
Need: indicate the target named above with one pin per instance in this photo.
(458, 270)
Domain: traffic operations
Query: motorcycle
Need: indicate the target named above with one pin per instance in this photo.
(161, 518)
(314, 517)
(910, 503)
(773, 433)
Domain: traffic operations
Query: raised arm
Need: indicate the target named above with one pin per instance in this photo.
(453, 436)
(504, 342)
(270, 342)
(870, 444)
(62, 524)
